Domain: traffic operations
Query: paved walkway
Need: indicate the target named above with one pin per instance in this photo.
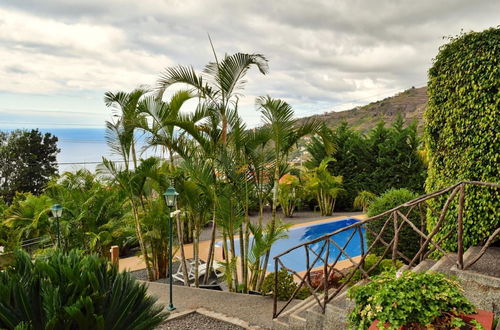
(254, 309)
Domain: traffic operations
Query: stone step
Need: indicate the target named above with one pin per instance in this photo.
(445, 264)
(297, 321)
(488, 264)
(424, 265)
(335, 318)
(295, 317)
(343, 302)
(281, 323)
(481, 282)
(315, 318)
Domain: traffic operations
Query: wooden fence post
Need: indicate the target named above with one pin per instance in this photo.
(115, 255)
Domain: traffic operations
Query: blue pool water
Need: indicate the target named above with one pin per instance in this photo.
(296, 259)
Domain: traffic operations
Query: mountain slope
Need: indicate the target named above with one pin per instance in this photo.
(410, 104)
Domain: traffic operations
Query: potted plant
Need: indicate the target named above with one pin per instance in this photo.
(409, 300)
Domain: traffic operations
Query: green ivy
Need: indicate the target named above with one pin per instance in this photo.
(398, 299)
(462, 132)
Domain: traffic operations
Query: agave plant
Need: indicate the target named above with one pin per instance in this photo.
(73, 291)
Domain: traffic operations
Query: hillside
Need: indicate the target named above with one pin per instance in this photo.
(410, 104)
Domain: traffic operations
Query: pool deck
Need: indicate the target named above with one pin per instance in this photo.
(303, 219)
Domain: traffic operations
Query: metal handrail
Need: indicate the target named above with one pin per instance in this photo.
(397, 218)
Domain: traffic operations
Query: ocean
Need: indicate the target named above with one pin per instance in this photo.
(85, 147)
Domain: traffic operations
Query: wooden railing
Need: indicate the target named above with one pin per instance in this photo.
(324, 254)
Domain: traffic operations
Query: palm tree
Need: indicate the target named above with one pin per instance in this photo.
(163, 116)
(132, 184)
(363, 200)
(285, 132)
(197, 195)
(220, 84)
(120, 133)
(218, 89)
(263, 240)
(324, 186)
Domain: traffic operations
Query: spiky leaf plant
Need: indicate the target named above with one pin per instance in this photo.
(73, 291)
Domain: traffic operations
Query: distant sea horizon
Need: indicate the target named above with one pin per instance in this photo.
(82, 148)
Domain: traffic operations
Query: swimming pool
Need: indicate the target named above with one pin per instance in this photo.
(296, 259)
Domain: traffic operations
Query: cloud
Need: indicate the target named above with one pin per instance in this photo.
(323, 54)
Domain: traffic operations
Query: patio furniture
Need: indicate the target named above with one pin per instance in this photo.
(202, 269)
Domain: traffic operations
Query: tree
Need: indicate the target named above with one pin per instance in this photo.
(462, 133)
(384, 158)
(284, 133)
(27, 162)
(220, 86)
(120, 133)
(324, 186)
(364, 200)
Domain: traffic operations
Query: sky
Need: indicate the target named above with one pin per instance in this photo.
(59, 57)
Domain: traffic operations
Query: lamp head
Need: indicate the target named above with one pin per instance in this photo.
(170, 196)
(56, 210)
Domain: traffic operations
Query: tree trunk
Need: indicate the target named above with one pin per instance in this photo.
(229, 277)
(273, 223)
(181, 247)
(196, 255)
(134, 157)
(210, 257)
(142, 245)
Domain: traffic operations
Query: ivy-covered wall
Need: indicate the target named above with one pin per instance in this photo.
(462, 130)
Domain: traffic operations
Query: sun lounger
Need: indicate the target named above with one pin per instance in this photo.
(202, 269)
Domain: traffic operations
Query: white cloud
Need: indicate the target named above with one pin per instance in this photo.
(323, 54)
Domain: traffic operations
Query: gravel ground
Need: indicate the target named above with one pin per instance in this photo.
(197, 321)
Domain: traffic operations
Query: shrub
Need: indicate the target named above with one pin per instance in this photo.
(286, 286)
(409, 240)
(73, 291)
(461, 134)
(407, 297)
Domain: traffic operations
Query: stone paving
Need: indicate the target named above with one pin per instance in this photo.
(254, 309)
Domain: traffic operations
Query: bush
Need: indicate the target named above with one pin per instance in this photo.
(461, 134)
(409, 240)
(286, 286)
(406, 297)
(73, 291)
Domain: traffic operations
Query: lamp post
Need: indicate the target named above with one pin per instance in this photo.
(56, 213)
(170, 198)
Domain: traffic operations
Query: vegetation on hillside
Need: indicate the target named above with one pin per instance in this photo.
(409, 104)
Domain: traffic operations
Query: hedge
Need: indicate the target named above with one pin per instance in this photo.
(462, 132)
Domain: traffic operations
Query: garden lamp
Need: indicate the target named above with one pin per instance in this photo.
(170, 198)
(57, 213)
